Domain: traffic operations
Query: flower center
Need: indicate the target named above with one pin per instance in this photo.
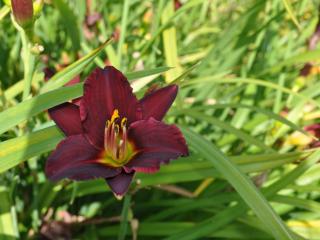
(117, 149)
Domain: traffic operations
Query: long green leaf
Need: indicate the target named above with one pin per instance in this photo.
(27, 109)
(16, 150)
(8, 221)
(242, 185)
(68, 73)
(227, 127)
(69, 21)
(206, 80)
(289, 9)
(226, 216)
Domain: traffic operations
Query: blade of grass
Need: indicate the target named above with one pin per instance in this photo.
(33, 144)
(163, 229)
(270, 114)
(123, 30)
(8, 221)
(68, 73)
(242, 185)
(250, 81)
(4, 11)
(124, 218)
(226, 216)
(288, 6)
(170, 44)
(70, 22)
(25, 110)
(227, 127)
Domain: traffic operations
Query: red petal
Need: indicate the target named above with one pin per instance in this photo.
(73, 81)
(157, 103)
(104, 91)
(77, 101)
(22, 11)
(157, 143)
(75, 158)
(67, 117)
(120, 183)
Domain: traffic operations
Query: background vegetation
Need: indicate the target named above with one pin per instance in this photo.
(249, 84)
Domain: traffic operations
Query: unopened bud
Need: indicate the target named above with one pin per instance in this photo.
(23, 12)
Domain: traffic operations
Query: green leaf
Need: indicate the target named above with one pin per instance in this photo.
(4, 11)
(288, 6)
(259, 82)
(242, 185)
(146, 73)
(69, 20)
(27, 109)
(16, 150)
(123, 30)
(124, 217)
(225, 217)
(270, 114)
(68, 73)
(170, 44)
(163, 229)
(227, 127)
(8, 218)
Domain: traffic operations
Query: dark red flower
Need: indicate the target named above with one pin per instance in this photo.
(112, 134)
(314, 129)
(23, 12)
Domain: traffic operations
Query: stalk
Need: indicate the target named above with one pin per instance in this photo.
(28, 59)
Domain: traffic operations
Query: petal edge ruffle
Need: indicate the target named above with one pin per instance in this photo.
(156, 143)
(157, 103)
(67, 118)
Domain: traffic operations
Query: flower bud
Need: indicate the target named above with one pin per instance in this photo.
(23, 12)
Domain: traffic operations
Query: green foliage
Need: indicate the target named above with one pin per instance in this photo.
(243, 104)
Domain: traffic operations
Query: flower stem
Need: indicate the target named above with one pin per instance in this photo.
(27, 57)
(28, 64)
(124, 217)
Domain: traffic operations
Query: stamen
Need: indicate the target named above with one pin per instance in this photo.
(111, 137)
(116, 128)
(123, 122)
(117, 147)
(114, 146)
(124, 140)
(115, 115)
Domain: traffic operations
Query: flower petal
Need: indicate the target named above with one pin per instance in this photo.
(157, 103)
(75, 158)
(104, 91)
(73, 81)
(67, 117)
(120, 183)
(156, 143)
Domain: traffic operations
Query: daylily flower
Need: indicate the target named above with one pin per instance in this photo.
(112, 135)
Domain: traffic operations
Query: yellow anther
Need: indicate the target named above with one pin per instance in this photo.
(123, 122)
(115, 115)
